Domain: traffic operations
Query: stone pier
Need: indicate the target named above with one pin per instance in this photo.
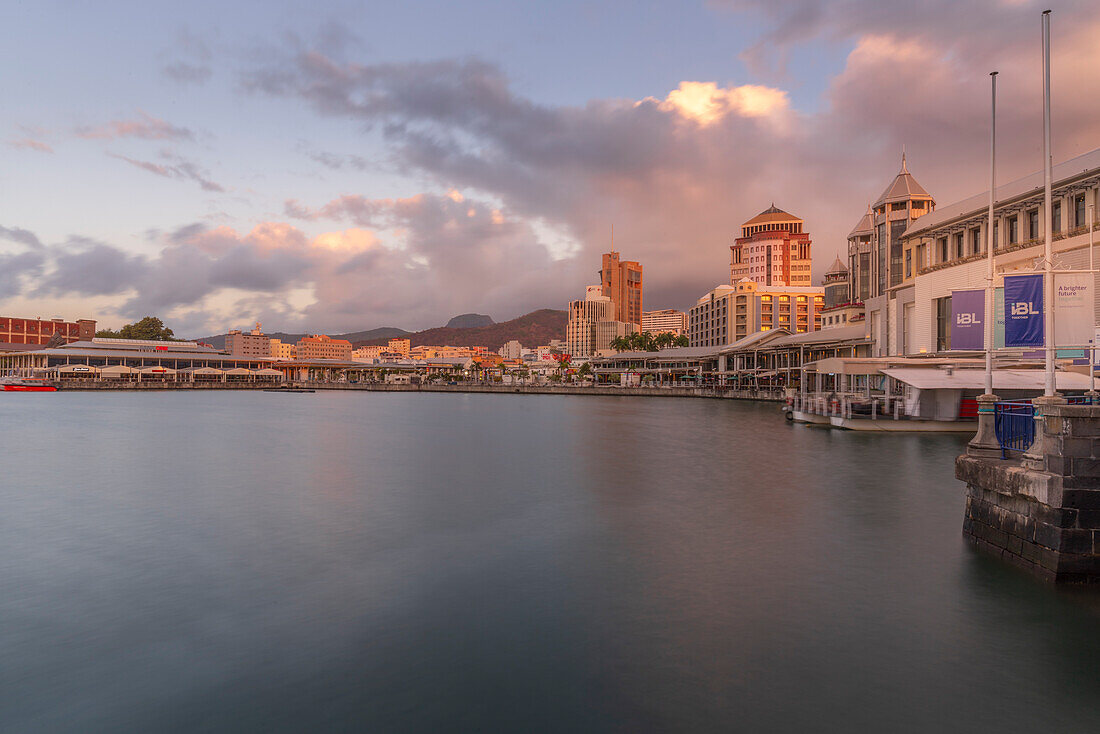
(1042, 513)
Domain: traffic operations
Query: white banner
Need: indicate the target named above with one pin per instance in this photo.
(1074, 309)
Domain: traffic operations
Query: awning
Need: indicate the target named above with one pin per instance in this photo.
(202, 371)
(238, 371)
(932, 378)
(157, 371)
(117, 369)
(268, 372)
(78, 369)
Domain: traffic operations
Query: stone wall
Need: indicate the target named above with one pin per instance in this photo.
(1043, 514)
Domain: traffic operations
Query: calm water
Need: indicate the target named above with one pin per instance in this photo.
(437, 563)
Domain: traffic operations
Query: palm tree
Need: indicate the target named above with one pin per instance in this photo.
(681, 341)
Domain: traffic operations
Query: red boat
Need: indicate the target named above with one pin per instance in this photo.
(25, 384)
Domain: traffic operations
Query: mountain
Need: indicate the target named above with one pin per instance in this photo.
(532, 330)
(470, 321)
(383, 333)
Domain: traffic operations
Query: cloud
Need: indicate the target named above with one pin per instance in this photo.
(146, 127)
(677, 174)
(88, 268)
(177, 167)
(15, 268)
(22, 236)
(31, 144)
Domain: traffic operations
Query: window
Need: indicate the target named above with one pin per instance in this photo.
(1033, 224)
(959, 245)
(943, 249)
(908, 263)
(1013, 230)
(943, 324)
(975, 241)
(1056, 217)
(996, 234)
(898, 207)
(1079, 210)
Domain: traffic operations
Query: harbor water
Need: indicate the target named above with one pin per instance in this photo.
(400, 562)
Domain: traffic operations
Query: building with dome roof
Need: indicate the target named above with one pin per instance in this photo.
(772, 251)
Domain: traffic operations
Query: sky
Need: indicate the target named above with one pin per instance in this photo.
(337, 166)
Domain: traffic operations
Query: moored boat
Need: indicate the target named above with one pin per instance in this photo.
(25, 384)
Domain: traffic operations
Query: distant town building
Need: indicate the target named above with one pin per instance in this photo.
(253, 344)
(729, 313)
(401, 346)
(668, 320)
(511, 350)
(368, 352)
(14, 330)
(621, 281)
(320, 346)
(282, 350)
(772, 251)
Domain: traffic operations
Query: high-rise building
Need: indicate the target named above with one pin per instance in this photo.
(667, 320)
(511, 350)
(253, 344)
(401, 346)
(592, 325)
(282, 350)
(621, 281)
(839, 309)
(773, 250)
(40, 331)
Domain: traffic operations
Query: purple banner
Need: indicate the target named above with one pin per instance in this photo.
(968, 319)
(1024, 310)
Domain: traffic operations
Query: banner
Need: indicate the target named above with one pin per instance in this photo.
(968, 319)
(1024, 310)
(1074, 310)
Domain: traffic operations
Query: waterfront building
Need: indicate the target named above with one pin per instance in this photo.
(15, 330)
(773, 250)
(511, 350)
(400, 345)
(281, 350)
(138, 360)
(321, 346)
(253, 344)
(729, 313)
(881, 273)
(621, 281)
(947, 250)
(368, 352)
(665, 321)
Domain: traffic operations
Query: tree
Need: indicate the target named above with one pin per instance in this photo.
(681, 341)
(585, 370)
(149, 328)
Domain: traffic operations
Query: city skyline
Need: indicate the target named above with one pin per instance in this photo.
(307, 170)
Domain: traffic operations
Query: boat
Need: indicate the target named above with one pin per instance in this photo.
(288, 389)
(26, 384)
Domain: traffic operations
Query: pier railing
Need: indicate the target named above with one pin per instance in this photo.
(1014, 421)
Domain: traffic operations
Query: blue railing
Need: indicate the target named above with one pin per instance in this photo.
(1014, 422)
(1015, 426)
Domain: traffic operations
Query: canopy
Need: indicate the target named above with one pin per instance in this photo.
(157, 371)
(932, 378)
(202, 371)
(238, 371)
(118, 369)
(268, 372)
(79, 369)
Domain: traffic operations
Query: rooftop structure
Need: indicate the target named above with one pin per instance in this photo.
(773, 250)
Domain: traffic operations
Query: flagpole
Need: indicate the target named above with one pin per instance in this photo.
(989, 289)
(1048, 274)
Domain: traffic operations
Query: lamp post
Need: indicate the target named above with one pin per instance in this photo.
(985, 441)
(1092, 272)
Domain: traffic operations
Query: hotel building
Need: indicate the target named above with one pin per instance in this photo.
(40, 331)
(668, 320)
(282, 350)
(320, 346)
(773, 250)
(730, 313)
(401, 346)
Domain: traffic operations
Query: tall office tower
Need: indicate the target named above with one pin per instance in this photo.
(621, 281)
(772, 251)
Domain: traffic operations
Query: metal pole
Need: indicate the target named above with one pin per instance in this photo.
(1048, 274)
(1092, 272)
(989, 290)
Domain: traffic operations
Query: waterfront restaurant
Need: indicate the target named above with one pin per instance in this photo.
(137, 360)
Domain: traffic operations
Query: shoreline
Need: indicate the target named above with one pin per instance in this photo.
(662, 392)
